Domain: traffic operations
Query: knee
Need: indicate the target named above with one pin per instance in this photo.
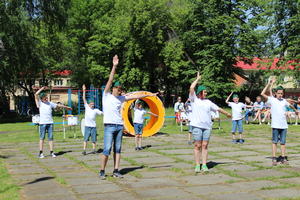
(204, 146)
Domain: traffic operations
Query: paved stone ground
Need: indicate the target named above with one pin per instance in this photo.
(163, 170)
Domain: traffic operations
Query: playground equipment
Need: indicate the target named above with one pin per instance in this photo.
(154, 124)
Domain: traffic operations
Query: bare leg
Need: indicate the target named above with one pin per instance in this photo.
(197, 149)
(84, 145)
(117, 158)
(204, 152)
(282, 150)
(274, 149)
(140, 140)
(51, 145)
(41, 144)
(94, 145)
(104, 160)
(136, 140)
(233, 136)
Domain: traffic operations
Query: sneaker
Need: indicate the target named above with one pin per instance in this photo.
(234, 141)
(117, 174)
(136, 148)
(197, 169)
(41, 155)
(284, 160)
(204, 168)
(102, 175)
(241, 141)
(53, 155)
(84, 153)
(274, 161)
(140, 148)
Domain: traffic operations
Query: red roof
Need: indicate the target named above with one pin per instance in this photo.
(265, 64)
(63, 73)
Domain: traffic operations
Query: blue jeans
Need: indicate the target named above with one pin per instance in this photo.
(90, 132)
(138, 128)
(46, 128)
(201, 134)
(279, 135)
(247, 114)
(237, 124)
(112, 135)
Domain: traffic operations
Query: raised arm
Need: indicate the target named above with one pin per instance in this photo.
(193, 85)
(139, 96)
(112, 73)
(37, 97)
(83, 94)
(270, 82)
(227, 100)
(60, 105)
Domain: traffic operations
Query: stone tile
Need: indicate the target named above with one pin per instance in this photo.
(153, 183)
(158, 174)
(109, 195)
(179, 151)
(237, 153)
(262, 173)
(83, 180)
(77, 174)
(154, 160)
(254, 185)
(280, 193)
(162, 193)
(295, 180)
(208, 189)
(238, 195)
(239, 167)
(102, 187)
(206, 179)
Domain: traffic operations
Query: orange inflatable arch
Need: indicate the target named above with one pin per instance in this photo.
(154, 124)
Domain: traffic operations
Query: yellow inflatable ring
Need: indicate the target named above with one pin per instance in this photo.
(154, 124)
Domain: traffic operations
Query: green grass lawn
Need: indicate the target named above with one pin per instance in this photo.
(18, 133)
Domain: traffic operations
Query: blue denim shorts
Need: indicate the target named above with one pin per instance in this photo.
(90, 132)
(237, 124)
(279, 135)
(138, 128)
(200, 134)
(113, 134)
(46, 128)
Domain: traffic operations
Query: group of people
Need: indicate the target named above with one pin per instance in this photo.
(199, 119)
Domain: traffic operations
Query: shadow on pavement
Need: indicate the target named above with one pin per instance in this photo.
(130, 169)
(212, 164)
(40, 179)
(62, 153)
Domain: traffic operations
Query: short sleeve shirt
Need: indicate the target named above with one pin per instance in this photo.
(237, 110)
(45, 109)
(278, 109)
(90, 115)
(201, 112)
(139, 115)
(112, 108)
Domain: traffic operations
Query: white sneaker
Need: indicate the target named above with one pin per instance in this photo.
(41, 155)
(53, 155)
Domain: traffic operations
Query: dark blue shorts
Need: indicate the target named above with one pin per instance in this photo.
(279, 135)
(138, 128)
(90, 132)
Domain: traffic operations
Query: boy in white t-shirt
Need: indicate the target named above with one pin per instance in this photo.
(201, 122)
(113, 122)
(90, 130)
(279, 123)
(178, 108)
(46, 120)
(138, 123)
(237, 117)
(188, 109)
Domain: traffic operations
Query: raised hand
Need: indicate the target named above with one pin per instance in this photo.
(198, 75)
(83, 87)
(115, 60)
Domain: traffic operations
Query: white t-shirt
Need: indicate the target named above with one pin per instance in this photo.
(112, 108)
(178, 106)
(139, 115)
(90, 115)
(237, 110)
(46, 112)
(278, 112)
(188, 110)
(201, 112)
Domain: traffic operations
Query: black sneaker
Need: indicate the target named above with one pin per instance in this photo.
(102, 175)
(140, 148)
(136, 148)
(242, 141)
(117, 174)
(94, 151)
(274, 161)
(284, 160)
(84, 153)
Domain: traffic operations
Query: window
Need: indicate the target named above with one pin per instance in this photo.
(58, 82)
